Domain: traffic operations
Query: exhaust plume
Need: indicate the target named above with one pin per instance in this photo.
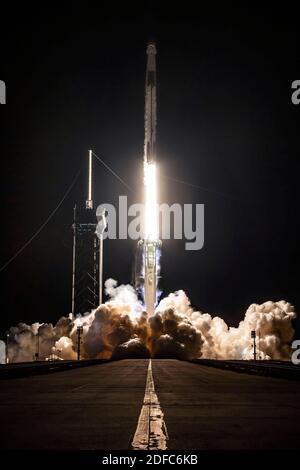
(120, 328)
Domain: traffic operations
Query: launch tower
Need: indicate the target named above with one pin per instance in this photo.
(85, 277)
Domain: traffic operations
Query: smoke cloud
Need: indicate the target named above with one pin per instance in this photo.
(120, 328)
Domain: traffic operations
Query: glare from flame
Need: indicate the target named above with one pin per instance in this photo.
(151, 212)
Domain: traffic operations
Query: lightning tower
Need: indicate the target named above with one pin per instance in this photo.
(86, 286)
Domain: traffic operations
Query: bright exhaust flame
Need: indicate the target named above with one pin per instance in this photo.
(151, 214)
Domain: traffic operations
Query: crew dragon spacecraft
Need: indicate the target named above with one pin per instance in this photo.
(149, 247)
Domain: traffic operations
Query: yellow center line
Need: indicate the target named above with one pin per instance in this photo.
(151, 432)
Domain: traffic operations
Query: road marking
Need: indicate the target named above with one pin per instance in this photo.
(151, 432)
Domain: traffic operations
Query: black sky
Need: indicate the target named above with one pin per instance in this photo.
(75, 80)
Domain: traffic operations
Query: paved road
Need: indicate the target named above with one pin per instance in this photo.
(98, 407)
(208, 408)
(92, 408)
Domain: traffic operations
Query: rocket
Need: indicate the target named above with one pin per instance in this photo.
(150, 245)
(150, 106)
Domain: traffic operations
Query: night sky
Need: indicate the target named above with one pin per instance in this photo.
(226, 127)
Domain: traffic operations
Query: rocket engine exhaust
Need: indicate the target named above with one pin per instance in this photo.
(120, 328)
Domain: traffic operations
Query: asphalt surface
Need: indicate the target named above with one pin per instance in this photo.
(207, 408)
(92, 408)
(98, 407)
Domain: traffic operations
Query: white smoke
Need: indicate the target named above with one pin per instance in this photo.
(124, 295)
(120, 328)
(64, 347)
(272, 322)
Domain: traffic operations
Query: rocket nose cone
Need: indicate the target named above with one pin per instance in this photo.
(151, 47)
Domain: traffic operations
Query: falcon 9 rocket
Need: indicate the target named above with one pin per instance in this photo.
(150, 245)
(150, 106)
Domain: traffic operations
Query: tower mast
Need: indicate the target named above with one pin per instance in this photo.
(89, 201)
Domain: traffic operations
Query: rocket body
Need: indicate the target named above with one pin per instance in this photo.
(150, 106)
(151, 243)
(151, 266)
